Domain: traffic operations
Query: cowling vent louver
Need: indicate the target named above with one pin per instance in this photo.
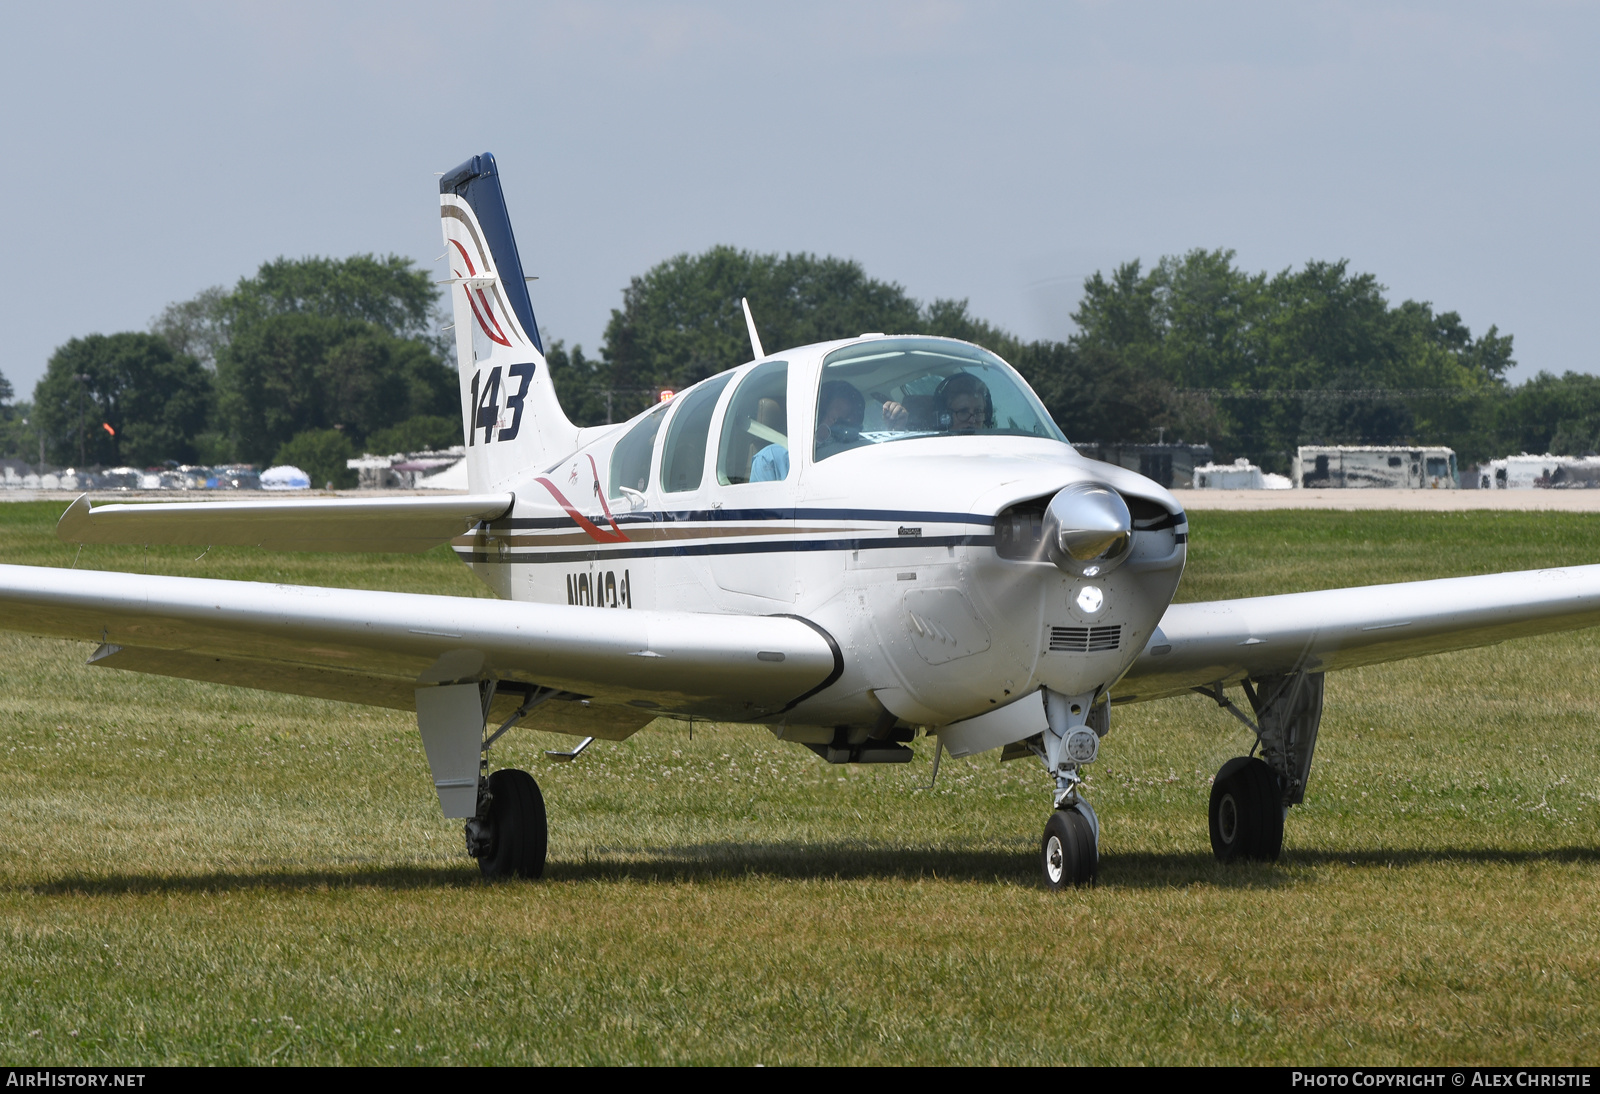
(1085, 639)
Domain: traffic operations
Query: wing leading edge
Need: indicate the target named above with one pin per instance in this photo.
(377, 647)
(1224, 641)
(404, 524)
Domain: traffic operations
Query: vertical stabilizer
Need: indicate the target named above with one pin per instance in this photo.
(512, 418)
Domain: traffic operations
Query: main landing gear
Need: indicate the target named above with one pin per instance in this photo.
(1246, 812)
(1251, 796)
(506, 829)
(509, 835)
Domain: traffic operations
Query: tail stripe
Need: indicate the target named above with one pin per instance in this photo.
(497, 335)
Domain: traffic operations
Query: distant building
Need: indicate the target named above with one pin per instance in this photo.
(404, 470)
(1393, 467)
(1171, 465)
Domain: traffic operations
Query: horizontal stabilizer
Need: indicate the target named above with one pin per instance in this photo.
(404, 524)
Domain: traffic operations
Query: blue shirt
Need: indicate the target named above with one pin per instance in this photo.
(770, 464)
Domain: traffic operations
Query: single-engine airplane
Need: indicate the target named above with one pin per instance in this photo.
(848, 543)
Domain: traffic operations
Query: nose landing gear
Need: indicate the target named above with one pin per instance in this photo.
(1070, 850)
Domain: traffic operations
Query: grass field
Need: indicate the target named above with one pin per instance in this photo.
(193, 874)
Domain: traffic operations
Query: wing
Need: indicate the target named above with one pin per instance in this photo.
(1223, 641)
(402, 524)
(617, 668)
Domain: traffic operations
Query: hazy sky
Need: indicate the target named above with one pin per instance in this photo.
(996, 152)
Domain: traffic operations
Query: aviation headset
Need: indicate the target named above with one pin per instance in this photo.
(962, 383)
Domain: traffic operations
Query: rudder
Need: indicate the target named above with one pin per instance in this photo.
(513, 421)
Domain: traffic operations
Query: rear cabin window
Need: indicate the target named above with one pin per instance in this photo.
(755, 431)
(630, 460)
(683, 459)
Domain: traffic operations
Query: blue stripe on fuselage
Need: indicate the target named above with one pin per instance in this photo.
(603, 551)
(690, 516)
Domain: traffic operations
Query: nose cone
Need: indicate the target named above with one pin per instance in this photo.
(1087, 529)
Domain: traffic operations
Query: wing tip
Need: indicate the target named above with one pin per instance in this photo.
(74, 525)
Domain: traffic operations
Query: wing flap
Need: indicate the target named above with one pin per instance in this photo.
(1223, 641)
(711, 666)
(403, 524)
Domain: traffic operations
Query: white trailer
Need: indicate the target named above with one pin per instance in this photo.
(1241, 474)
(1525, 472)
(1393, 467)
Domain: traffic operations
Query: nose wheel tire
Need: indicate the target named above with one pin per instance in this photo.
(518, 834)
(1068, 851)
(1246, 812)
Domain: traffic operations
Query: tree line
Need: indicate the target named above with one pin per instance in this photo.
(1193, 349)
(314, 360)
(308, 362)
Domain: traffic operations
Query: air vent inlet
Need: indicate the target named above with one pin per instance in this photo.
(1086, 639)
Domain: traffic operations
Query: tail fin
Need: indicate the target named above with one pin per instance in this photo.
(513, 420)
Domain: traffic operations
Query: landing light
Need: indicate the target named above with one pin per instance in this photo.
(1090, 599)
(1082, 746)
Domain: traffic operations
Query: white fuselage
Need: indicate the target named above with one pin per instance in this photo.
(890, 549)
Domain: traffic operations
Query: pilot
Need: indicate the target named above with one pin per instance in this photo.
(840, 410)
(962, 404)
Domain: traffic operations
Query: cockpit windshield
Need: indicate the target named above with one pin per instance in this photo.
(897, 389)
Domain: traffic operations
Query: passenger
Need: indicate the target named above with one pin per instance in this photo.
(771, 464)
(963, 405)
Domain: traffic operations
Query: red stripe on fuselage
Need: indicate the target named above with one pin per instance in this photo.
(596, 533)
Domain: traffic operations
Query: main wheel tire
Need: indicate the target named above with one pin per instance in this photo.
(1246, 812)
(519, 835)
(1068, 851)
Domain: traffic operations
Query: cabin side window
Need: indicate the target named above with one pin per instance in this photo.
(683, 459)
(630, 459)
(755, 430)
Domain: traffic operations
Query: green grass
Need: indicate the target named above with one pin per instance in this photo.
(196, 874)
